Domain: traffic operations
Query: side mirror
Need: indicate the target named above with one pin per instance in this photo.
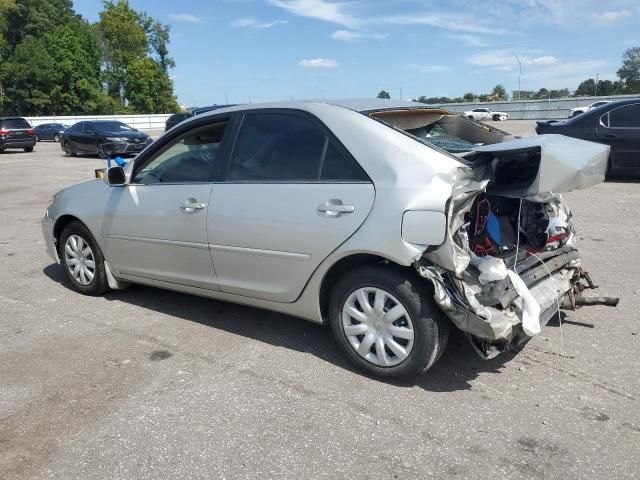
(115, 177)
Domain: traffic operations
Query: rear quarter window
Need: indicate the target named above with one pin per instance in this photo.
(15, 123)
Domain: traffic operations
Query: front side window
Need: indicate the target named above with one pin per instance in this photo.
(189, 158)
(625, 117)
(89, 128)
(275, 147)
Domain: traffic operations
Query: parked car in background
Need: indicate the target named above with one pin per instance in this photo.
(15, 132)
(49, 131)
(90, 138)
(616, 124)
(485, 114)
(177, 118)
(578, 110)
(344, 213)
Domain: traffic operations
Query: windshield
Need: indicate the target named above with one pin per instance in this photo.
(112, 127)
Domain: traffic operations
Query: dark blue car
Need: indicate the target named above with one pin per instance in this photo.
(50, 131)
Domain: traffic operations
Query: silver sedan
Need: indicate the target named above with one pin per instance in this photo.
(388, 221)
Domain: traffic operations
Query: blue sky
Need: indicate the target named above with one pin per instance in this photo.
(263, 50)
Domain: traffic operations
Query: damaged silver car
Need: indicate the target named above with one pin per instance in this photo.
(388, 221)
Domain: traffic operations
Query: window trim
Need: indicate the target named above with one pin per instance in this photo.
(618, 108)
(329, 136)
(171, 141)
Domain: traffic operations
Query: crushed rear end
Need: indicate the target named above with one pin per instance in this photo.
(509, 261)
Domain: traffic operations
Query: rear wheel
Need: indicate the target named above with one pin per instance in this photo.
(68, 151)
(82, 260)
(28, 149)
(37, 138)
(470, 117)
(386, 322)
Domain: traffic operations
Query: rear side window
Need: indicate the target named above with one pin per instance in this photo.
(15, 123)
(280, 147)
(625, 117)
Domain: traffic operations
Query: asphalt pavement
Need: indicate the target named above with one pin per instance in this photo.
(146, 384)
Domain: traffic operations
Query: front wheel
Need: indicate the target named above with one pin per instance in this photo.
(37, 138)
(386, 322)
(68, 151)
(56, 138)
(82, 260)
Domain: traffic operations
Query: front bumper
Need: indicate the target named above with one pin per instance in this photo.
(123, 148)
(47, 234)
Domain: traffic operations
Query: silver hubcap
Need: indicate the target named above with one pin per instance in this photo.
(377, 326)
(79, 259)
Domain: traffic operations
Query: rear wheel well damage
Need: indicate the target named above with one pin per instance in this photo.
(347, 264)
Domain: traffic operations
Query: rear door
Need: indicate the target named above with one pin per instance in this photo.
(620, 128)
(291, 195)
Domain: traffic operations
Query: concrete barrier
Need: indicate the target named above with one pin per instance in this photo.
(533, 109)
(140, 122)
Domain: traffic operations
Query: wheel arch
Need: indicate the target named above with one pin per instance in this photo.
(61, 222)
(346, 264)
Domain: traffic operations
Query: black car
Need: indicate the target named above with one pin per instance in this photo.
(49, 131)
(616, 124)
(100, 136)
(176, 118)
(15, 132)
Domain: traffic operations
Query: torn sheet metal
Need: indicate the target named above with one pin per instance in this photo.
(566, 163)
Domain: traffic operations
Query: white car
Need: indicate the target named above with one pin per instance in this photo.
(485, 114)
(578, 110)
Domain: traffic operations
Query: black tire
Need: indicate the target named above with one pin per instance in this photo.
(28, 149)
(101, 153)
(56, 138)
(496, 118)
(68, 151)
(98, 284)
(37, 138)
(470, 117)
(431, 329)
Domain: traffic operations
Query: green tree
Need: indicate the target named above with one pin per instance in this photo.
(123, 41)
(586, 88)
(499, 93)
(629, 73)
(31, 75)
(469, 97)
(383, 94)
(148, 88)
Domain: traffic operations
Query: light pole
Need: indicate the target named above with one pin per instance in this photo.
(519, 75)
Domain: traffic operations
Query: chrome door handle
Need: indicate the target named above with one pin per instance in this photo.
(334, 208)
(190, 206)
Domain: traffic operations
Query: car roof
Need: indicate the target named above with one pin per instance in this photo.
(356, 105)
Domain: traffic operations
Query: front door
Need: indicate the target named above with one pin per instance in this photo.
(156, 226)
(291, 196)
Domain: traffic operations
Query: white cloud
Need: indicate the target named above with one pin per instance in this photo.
(250, 22)
(611, 16)
(351, 35)
(428, 68)
(185, 17)
(447, 21)
(506, 57)
(319, 9)
(319, 63)
(470, 40)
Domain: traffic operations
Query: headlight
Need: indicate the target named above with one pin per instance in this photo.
(116, 139)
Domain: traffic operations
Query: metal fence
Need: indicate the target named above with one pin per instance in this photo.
(140, 122)
(534, 109)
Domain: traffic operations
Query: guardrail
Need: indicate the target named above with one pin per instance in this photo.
(140, 122)
(556, 108)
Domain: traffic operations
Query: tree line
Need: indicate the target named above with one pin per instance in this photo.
(53, 61)
(628, 83)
